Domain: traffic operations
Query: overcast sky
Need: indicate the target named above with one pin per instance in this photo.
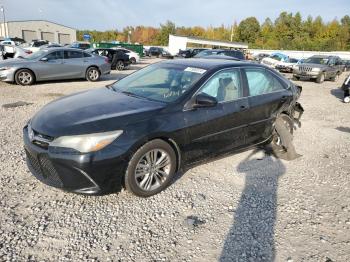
(112, 14)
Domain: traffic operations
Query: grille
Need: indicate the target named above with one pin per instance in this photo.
(43, 170)
(305, 68)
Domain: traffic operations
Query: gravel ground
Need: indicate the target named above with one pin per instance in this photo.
(245, 207)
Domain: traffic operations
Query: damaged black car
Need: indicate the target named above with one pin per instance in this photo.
(143, 129)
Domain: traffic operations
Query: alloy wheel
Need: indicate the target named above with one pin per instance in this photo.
(120, 66)
(93, 74)
(25, 78)
(152, 169)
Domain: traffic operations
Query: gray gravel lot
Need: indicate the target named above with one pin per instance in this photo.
(244, 207)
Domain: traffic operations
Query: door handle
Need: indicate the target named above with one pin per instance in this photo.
(243, 107)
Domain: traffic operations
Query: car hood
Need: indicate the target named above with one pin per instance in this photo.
(94, 111)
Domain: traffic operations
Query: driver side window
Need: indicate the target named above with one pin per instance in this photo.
(225, 86)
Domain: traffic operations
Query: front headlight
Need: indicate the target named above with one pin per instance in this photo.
(316, 69)
(87, 143)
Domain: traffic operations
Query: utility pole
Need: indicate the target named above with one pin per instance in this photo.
(4, 21)
(232, 27)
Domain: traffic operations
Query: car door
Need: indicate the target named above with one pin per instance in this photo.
(268, 94)
(331, 70)
(221, 128)
(74, 63)
(51, 68)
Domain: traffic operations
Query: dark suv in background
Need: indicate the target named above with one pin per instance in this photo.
(319, 68)
(159, 52)
(190, 52)
(227, 52)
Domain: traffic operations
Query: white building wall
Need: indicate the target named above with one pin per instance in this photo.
(301, 54)
(15, 29)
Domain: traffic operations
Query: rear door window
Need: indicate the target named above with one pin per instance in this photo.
(55, 55)
(262, 82)
(71, 54)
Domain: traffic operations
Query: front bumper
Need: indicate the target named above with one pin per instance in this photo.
(284, 69)
(7, 75)
(306, 75)
(92, 173)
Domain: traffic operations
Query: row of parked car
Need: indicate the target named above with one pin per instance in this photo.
(41, 61)
(317, 67)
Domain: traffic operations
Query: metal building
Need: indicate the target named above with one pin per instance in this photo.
(38, 29)
(180, 42)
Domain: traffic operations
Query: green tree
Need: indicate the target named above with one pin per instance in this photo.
(248, 30)
(165, 29)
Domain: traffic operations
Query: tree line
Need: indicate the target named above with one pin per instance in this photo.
(288, 32)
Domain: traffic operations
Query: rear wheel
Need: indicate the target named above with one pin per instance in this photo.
(24, 77)
(347, 99)
(151, 168)
(335, 78)
(93, 74)
(120, 65)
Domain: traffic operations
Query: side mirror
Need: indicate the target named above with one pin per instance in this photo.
(204, 100)
(44, 59)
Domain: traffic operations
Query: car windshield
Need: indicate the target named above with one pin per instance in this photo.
(160, 82)
(317, 60)
(36, 55)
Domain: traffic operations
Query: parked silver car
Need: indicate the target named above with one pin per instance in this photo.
(54, 64)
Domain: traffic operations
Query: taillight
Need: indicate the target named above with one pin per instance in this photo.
(28, 52)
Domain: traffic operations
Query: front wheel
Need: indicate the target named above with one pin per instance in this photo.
(151, 169)
(133, 60)
(347, 99)
(320, 78)
(93, 74)
(24, 77)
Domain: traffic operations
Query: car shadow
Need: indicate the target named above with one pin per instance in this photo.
(338, 93)
(251, 237)
(343, 129)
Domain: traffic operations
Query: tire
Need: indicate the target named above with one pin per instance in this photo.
(347, 99)
(24, 77)
(282, 141)
(93, 74)
(335, 78)
(133, 60)
(142, 177)
(295, 78)
(120, 65)
(320, 78)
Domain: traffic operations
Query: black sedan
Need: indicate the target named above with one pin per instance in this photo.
(143, 129)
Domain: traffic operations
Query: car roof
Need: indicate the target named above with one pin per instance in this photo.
(323, 56)
(207, 64)
(63, 48)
